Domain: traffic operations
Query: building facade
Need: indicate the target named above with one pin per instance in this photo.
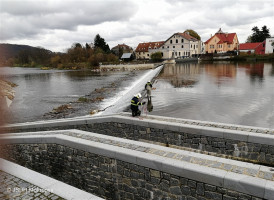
(222, 42)
(257, 48)
(143, 52)
(179, 45)
(269, 45)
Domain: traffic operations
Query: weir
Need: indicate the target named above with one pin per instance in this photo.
(122, 100)
(113, 155)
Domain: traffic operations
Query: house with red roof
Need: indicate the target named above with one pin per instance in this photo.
(176, 46)
(257, 48)
(222, 42)
(143, 49)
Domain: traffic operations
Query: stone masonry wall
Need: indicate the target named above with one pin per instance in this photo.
(213, 145)
(110, 178)
(251, 151)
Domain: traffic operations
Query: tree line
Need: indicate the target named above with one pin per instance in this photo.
(77, 56)
(258, 35)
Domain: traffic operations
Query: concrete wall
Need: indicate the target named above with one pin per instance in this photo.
(246, 143)
(102, 165)
(128, 67)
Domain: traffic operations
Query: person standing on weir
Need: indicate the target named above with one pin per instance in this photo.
(148, 88)
(135, 103)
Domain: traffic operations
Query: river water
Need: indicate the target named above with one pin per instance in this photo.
(241, 93)
(237, 93)
(40, 91)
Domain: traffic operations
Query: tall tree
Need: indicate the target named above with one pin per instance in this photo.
(99, 42)
(193, 34)
(259, 35)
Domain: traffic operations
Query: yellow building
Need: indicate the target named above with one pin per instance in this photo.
(222, 42)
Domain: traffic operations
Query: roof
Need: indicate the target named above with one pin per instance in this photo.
(248, 46)
(184, 35)
(187, 36)
(143, 47)
(223, 37)
(126, 55)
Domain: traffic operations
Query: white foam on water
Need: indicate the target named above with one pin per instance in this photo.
(122, 99)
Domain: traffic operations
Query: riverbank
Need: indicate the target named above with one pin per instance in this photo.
(6, 91)
(241, 57)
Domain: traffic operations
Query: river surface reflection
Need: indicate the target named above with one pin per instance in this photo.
(241, 93)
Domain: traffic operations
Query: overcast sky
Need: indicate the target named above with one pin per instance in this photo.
(57, 24)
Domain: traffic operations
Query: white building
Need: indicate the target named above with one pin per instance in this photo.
(179, 45)
(269, 45)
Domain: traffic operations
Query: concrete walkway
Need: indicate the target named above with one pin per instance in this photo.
(20, 183)
(228, 165)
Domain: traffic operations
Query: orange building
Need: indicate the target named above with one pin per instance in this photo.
(222, 42)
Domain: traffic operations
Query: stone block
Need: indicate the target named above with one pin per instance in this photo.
(192, 183)
(210, 187)
(185, 190)
(155, 173)
(174, 182)
(176, 190)
(200, 190)
(225, 197)
(213, 195)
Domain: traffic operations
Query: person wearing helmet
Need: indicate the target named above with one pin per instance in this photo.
(148, 88)
(135, 102)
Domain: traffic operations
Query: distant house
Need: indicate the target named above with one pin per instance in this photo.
(179, 45)
(120, 49)
(127, 57)
(142, 50)
(269, 45)
(222, 42)
(257, 48)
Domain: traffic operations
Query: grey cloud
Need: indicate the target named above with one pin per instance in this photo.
(32, 17)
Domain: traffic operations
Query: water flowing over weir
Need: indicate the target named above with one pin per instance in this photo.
(122, 99)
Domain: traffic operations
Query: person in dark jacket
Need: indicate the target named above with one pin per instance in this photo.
(135, 103)
(148, 88)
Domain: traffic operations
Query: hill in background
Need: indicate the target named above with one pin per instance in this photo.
(11, 51)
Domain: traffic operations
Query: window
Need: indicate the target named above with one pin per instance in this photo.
(170, 41)
(173, 47)
(163, 47)
(211, 46)
(229, 46)
(147, 54)
(182, 40)
(182, 46)
(179, 53)
(176, 40)
(190, 46)
(168, 47)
